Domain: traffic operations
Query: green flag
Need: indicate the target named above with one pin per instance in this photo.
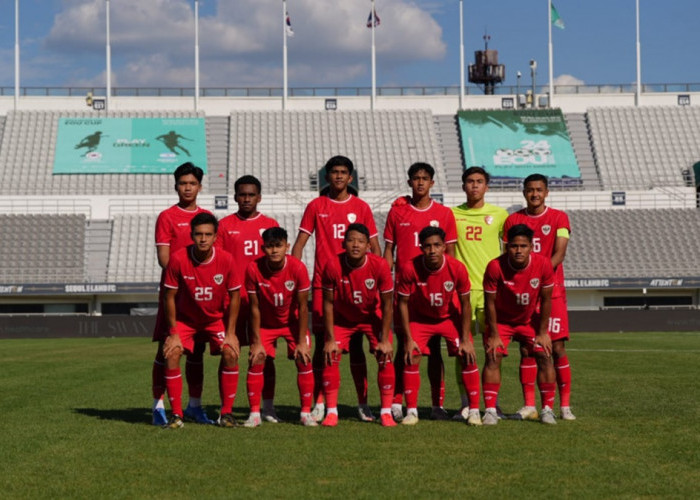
(556, 19)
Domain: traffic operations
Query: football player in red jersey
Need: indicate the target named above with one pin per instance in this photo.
(278, 286)
(551, 238)
(240, 234)
(172, 234)
(433, 293)
(407, 216)
(357, 299)
(202, 287)
(328, 216)
(514, 285)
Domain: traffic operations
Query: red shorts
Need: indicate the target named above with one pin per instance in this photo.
(269, 336)
(342, 334)
(559, 319)
(213, 332)
(525, 334)
(448, 329)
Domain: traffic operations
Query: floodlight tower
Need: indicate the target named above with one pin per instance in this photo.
(486, 69)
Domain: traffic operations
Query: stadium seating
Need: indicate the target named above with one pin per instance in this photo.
(633, 243)
(640, 148)
(132, 259)
(286, 149)
(42, 248)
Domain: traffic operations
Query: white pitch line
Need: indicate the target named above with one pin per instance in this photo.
(634, 350)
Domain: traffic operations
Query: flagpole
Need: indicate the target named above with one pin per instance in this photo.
(551, 56)
(638, 93)
(108, 50)
(196, 55)
(16, 54)
(374, 59)
(284, 55)
(461, 55)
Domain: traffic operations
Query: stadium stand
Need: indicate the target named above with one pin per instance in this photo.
(640, 148)
(633, 243)
(42, 248)
(581, 141)
(132, 258)
(286, 149)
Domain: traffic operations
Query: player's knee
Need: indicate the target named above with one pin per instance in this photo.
(228, 358)
(558, 349)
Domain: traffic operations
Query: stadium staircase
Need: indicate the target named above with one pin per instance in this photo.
(450, 150)
(98, 237)
(218, 153)
(580, 135)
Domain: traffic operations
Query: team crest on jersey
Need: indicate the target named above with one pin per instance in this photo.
(546, 229)
(352, 218)
(449, 285)
(488, 220)
(434, 223)
(534, 282)
(289, 285)
(218, 278)
(369, 283)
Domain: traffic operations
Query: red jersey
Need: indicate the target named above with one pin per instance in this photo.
(545, 226)
(242, 238)
(329, 219)
(404, 222)
(433, 294)
(202, 287)
(173, 227)
(357, 289)
(517, 290)
(277, 291)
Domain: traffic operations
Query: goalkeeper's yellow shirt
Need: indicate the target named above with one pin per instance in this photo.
(479, 235)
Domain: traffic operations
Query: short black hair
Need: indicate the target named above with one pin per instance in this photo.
(476, 170)
(188, 168)
(204, 218)
(360, 228)
(418, 166)
(339, 160)
(535, 178)
(429, 231)
(247, 179)
(520, 230)
(274, 235)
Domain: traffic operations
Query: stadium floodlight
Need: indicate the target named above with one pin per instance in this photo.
(518, 75)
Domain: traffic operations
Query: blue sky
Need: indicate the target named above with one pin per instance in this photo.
(62, 41)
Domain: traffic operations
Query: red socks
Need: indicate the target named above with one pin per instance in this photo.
(547, 392)
(470, 379)
(528, 376)
(254, 384)
(305, 383)
(331, 383)
(563, 370)
(173, 382)
(385, 379)
(228, 385)
(411, 384)
(491, 394)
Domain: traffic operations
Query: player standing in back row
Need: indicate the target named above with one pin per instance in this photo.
(551, 237)
(329, 216)
(173, 233)
(407, 217)
(240, 234)
(479, 233)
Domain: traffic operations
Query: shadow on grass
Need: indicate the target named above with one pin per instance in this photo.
(129, 415)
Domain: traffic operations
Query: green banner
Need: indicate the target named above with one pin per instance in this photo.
(128, 145)
(515, 144)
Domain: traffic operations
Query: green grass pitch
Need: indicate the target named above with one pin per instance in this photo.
(75, 423)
